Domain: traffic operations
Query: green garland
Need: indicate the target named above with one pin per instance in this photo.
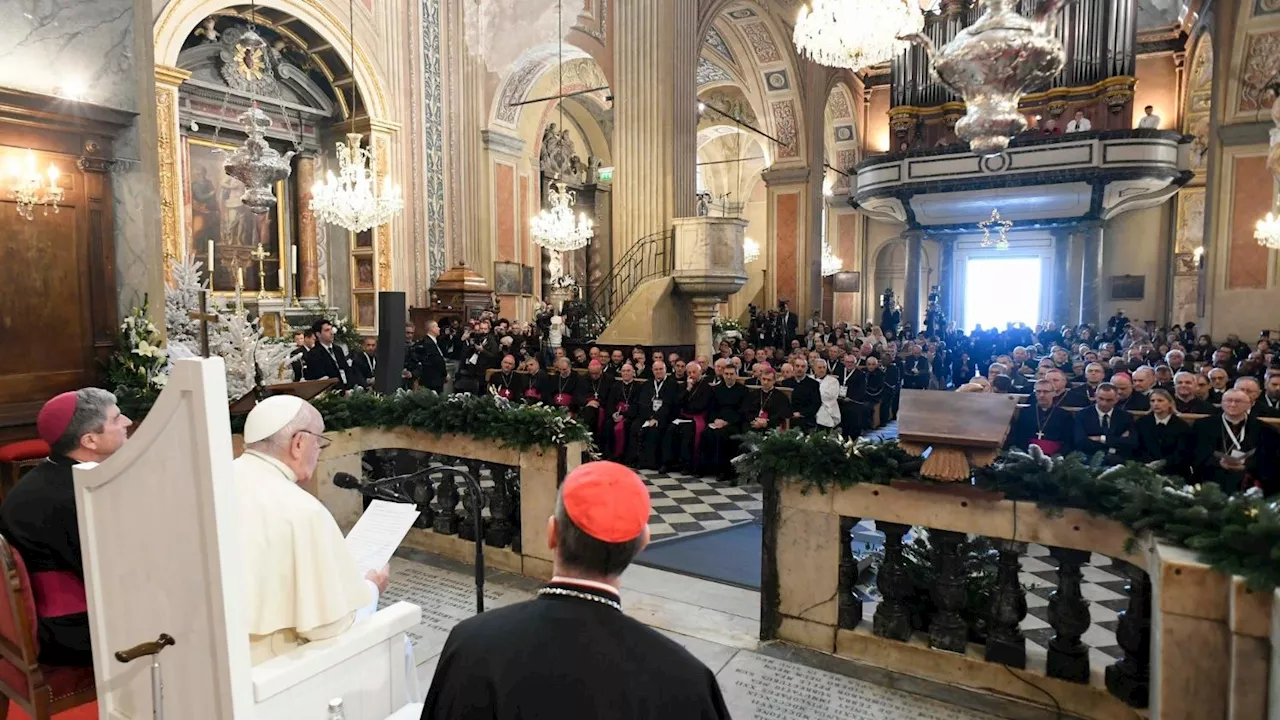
(1235, 534)
(480, 416)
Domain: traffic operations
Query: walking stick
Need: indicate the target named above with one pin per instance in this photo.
(151, 649)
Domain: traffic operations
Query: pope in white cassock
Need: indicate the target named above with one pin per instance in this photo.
(302, 580)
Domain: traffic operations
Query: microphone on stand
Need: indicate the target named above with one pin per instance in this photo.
(346, 481)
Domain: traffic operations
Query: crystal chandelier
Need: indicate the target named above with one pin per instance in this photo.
(555, 228)
(750, 251)
(351, 200)
(30, 188)
(257, 164)
(1267, 231)
(854, 34)
(1003, 227)
(830, 263)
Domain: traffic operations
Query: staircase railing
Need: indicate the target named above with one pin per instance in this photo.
(651, 257)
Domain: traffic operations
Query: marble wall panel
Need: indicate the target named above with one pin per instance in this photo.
(786, 235)
(1248, 261)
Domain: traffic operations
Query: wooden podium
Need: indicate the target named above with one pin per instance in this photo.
(162, 555)
(964, 430)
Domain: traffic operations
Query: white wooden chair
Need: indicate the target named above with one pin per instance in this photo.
(158, 529)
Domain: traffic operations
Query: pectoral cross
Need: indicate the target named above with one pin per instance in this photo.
(261, 255)
(1040, 435)
(205, 318)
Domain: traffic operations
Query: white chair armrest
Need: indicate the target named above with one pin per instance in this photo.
(281, 673)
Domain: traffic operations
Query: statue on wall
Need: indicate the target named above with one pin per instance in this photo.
(891, 314)
(556, 155)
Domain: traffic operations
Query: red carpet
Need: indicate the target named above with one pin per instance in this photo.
(84, 712)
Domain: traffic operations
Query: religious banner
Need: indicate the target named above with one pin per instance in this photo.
(217, 220)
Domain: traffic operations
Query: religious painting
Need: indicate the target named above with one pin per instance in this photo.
(364, 239)
(847, 282)
(364, 273)
(217, 218)
(506, 278)
(526, 279)
(366, 315)
(1128, 287)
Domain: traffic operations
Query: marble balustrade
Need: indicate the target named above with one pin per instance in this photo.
(1197, 643)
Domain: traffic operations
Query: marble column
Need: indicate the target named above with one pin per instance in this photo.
(308, 282)
(1091, 279)
(1061, 312)
(788, 230)
(704, 312)
(911, 289)
(655, 114)
(945, 276)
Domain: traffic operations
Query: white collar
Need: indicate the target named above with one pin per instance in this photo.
(1164, 421)
(265, 458)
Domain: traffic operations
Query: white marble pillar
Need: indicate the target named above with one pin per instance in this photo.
(655, 111)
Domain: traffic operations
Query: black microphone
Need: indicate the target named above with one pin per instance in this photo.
(346, 481)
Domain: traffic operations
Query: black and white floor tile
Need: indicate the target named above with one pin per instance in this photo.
(684, 505)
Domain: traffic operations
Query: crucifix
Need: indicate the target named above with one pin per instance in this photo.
(261, 255)
(205, 318)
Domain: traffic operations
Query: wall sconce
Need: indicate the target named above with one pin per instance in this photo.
(31, 188)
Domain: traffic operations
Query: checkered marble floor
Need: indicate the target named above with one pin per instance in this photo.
(684, 505)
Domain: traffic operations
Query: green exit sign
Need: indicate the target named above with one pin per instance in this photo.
(605, 174)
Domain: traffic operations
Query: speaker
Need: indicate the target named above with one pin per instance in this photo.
(391, 349)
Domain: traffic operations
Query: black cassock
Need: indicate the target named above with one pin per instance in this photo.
(853, 409)
(772, 406)
(1053, 429)
(806, 398)
(683, 444)
(1214, 437)
(647, 442)
(589, 389)
(559, 390)
(568, 657)
(622, 402)
(718, 445)
(38, 518)
(509, 385)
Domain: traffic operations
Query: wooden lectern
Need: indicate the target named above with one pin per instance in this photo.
(162, 555)
(964, 430)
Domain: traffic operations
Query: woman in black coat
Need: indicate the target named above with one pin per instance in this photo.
(1162, 435)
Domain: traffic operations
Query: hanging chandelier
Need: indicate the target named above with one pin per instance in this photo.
(555, 228)
(351, 199)
(1002, 243)
(1267, 231)
(30, 187)
(256, 164)
(750, 251)
(830, 263)
(855, 34)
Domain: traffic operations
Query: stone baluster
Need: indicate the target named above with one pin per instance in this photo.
(1130, 678)
(948, 629)
(1069, 618)
(500, 508)
(513, 483)
(472, 505)
(893, 616)
(850, 607)
(423, 493)
(1005, 643)
(446, 520)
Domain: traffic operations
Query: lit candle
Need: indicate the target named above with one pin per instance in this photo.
(280, 278)
(240, 277)
(321, 287)
(209, 250)
(53, 176)
(295, 262)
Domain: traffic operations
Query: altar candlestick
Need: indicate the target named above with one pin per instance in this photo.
(239, 277)
(209, 262)
(280, 278)
(294, 253)
(322, 295)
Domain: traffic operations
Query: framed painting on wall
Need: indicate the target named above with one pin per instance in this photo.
(847, 282)
(526, 279)
(1128, 287)
(506, 278)
(364, 273)
(366, 315)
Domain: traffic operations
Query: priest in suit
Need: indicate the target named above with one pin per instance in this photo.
(571, 652)
(723, 423)
(659, 400)
(39, 519)
(1104, 429)
(1046, 423)
(434, 369)
(327, 360)
(767, 408)
(1235, 450)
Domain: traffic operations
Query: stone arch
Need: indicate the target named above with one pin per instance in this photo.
(530, 70)
(178, 19)
(890, 269)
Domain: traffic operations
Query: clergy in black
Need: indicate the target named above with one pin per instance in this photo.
(562, 387)
(768, 407)
(723, 423)
(1045, 423)
(1185, 400)
(621, 409)
(572, 653)
(683, 445)
(506, 383)
(1235, 450)
(589, 400)
(38, 518)
(659, 401)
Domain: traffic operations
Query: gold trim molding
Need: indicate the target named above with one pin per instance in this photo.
(167, 81)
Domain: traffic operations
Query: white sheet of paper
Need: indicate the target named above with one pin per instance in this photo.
(379, 532)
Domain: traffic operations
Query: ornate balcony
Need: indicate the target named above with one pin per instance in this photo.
(1037, 181)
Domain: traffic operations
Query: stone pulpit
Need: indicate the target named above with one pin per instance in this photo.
(162, 556)
(709, 267)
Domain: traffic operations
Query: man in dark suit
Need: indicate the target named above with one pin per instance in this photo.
(1104, 429)
(365, 363)
(327, 360)
(571, 652)
(432, 359)
(303, 341)
(787, 324)
(1082, 395)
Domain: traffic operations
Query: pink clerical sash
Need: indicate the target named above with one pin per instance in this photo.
(563, 399)
(699, 424)
(533, 394)
(58, 593)
(620, 430)
(504, 392)
(1048, 446)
